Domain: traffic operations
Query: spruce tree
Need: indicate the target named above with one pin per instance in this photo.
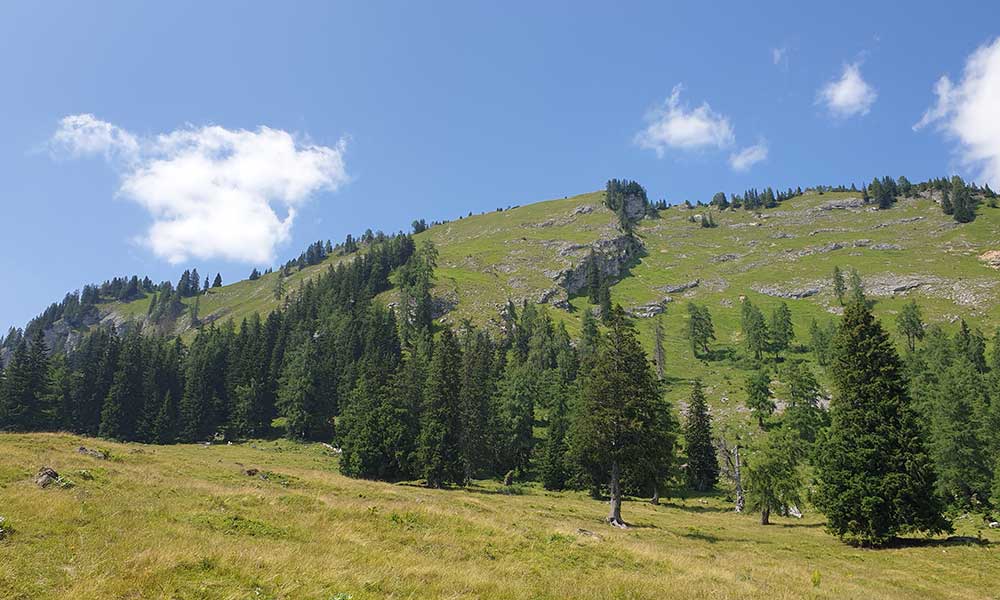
(802, 412)
(619, 424)
(781, 330)
(875, 476)
(755, 333)
(758, 389)
(554, 469)
(958, 442)
(518, 392)
(440, 442)
(839, 287)
(702, 463)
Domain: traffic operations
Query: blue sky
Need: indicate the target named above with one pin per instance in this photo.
(118, 119)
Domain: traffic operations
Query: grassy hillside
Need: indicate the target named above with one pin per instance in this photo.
(187, 521)
(516, 253)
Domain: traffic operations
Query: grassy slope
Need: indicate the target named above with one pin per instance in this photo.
(486, 259)
(185, 522)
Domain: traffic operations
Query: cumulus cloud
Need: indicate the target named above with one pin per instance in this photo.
(674, 125)
(212, 192)
(848, 96)
(969, 112)
(749, 156)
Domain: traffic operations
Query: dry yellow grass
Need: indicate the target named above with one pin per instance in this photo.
(186, 522)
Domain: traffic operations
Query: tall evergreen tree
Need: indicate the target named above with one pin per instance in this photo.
(759, 401)
(755, 333)
(702, 464)
(839, 287)
(659, 358)
(440, 439)
(876, 479)
(619, 421)
(781, 331)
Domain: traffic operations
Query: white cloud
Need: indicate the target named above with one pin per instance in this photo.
(969, 112)
(779, 56)
(848, 96)
(212, 192)
(81, 135)
(675, 126)
(749, 156)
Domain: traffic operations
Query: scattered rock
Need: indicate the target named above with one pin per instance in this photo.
(861, 243)
(46, 477)
(98, 454)
(991, 258)
(4, 528)
(652, 309)
(819, 249)
(588, 533)
(796, 294)
(899, 222)
(994, 525)
(724, 258)
(887, 247)
(846, 203)
(677, 289)
(583, 209)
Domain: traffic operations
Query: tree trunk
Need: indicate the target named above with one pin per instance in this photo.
(655, 501)
(765, 516)
(738, 479)
(615, 512)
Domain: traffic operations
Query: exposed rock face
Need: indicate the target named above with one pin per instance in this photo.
(887, 247)
(612, 256)
(793, 294)
(635, 207)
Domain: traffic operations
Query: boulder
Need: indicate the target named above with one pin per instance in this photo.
(98, 454)
(46, 477)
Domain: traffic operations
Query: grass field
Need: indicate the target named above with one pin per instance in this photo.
(187, 522)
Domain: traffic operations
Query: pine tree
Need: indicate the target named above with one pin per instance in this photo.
(781, 330)
(658, 355)
(876, 479)
(702, 463)
(802, 412)
(758, 389)
(554, 469)
(958, 443)
(771, 477)
(619, 422)
(518, 392)
(439, 444)
(700, 330)
(218, 280)
(594, 280)
(301, 400)
(755, 331)
(120, 412)
(910, 324)
(476, 403)
(839, 287)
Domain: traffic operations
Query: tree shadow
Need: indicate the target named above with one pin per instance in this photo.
(694, 509)
(950, 541)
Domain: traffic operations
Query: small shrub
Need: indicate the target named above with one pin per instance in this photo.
(816, 577)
